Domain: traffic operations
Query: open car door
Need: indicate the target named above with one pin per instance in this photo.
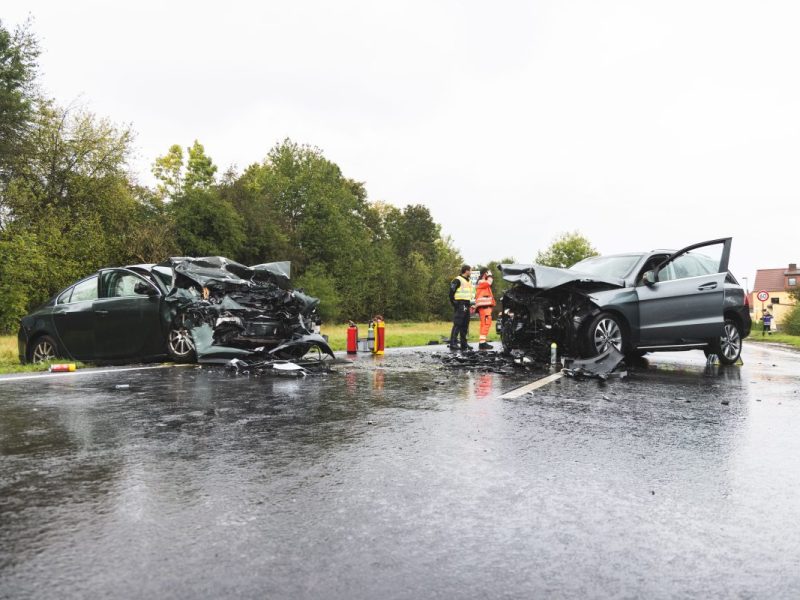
(681, 300)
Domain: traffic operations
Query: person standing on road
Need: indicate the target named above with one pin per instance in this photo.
(461, 298)
(766, 318)
(484, 302)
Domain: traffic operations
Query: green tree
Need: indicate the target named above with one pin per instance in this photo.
(19, 51)
(206, 224)
(566, 250)
(200, 169)
(317, 282)
(168, 169)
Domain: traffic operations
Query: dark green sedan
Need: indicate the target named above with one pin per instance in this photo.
(208, 309)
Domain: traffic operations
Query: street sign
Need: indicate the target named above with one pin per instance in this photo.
(763, 295)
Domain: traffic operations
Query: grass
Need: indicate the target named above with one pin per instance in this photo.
(404, 333)
(398, 334)
(775, 338)
(9, 359)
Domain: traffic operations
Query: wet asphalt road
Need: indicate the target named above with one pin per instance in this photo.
(396, 479)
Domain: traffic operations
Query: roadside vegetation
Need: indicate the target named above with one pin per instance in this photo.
(404, 333)
(775, 338)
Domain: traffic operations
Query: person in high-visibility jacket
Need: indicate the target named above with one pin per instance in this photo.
(461, 299)
(484, 302)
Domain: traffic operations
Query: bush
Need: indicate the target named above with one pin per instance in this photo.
(791, 323)
(316, 281)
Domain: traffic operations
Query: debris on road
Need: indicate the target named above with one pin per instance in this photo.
(489, 360)
(601, 366)
(285, 368)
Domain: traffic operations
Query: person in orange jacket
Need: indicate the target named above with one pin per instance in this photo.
(484, 302)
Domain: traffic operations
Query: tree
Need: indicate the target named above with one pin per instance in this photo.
(566, 250)
(176, 178)
(168, 169)
(206, 224)
(200, 169)
(19, 51)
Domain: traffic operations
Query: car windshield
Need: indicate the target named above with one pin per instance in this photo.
(164, 274)
(607, 266)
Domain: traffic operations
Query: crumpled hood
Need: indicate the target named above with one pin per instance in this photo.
(212, 269)
(540, 277)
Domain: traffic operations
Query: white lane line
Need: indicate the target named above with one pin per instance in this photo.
(521, 391)
(13, 378)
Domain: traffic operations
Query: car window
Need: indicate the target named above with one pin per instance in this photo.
(119, 284)
(688, 265)
(64, 297)
(85, 290)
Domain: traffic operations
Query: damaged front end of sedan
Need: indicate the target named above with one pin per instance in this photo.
(547, 305)
(222, 310)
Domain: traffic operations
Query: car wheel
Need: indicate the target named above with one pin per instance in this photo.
(44, 349)
(604, 331)
(728, 347)
(180, 344)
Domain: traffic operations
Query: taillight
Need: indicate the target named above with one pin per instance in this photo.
(747, 301)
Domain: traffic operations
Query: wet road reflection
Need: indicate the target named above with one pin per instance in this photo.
(399, 479)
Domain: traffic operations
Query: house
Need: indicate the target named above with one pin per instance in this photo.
(778, 283)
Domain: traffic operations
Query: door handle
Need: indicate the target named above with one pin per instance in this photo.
(101, 312)
(708, 286)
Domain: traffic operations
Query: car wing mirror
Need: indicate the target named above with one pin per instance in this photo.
(649, 278)
(143, 289)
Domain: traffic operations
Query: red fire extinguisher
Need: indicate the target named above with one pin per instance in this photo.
(352, 338)
(380, 335)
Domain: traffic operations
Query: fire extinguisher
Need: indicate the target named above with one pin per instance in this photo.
(380, 335)
(352, 338)
(371, 337)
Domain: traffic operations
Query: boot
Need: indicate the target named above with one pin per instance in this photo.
(484, 346)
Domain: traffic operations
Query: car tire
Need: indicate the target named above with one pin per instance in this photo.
(728, 347)
(180, 345)
(43, 349)
(606, 328)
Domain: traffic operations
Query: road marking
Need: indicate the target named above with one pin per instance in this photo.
(45, 375)
(521, 391)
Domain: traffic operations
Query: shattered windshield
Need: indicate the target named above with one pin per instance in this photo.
(607, 266)
(164, 274)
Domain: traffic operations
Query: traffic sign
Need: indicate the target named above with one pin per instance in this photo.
(763, 295)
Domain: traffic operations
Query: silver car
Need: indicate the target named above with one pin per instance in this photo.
(638, 302)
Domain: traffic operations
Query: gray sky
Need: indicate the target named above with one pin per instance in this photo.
(640, 124)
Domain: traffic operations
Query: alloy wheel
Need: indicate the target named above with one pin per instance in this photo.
(180, 341)
(43, 351)
(607, 333)
(730, 343)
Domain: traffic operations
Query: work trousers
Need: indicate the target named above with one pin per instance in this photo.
(460, 323)
(485, 315)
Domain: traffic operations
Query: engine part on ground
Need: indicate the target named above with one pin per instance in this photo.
(601, 366)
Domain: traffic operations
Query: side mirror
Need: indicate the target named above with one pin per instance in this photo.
(649, 278)
(143, 289)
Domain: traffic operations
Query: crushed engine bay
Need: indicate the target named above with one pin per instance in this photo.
(222, 310)
(547, 305)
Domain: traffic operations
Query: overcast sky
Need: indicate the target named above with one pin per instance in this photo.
(640, 124)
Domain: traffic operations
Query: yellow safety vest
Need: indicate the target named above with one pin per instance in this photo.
(464, 291)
